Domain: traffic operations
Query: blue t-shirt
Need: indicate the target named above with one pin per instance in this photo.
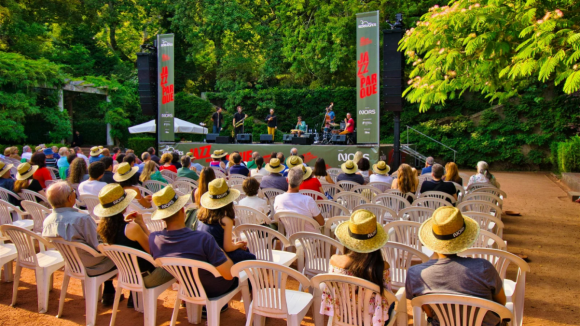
(239, 169)
(185, 243)
(95, 158)
(331, 115)
(7, 183)
(426, 170)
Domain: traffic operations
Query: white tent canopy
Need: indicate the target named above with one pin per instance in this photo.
(179, 126)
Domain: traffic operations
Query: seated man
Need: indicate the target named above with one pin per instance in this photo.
(275, 179)
(437, 184)
(428, 165)
(238, 168)
(132, 160)
(185, 170)
(108, 176)
(178, 241)
(93, 185)
(447, 233)
(349, 125)
(294, 201)
(350, 168)
(67, 222)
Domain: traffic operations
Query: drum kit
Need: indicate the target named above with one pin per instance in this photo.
(332, 129)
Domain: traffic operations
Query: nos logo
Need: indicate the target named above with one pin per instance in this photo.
(363, 112)
(343, 157)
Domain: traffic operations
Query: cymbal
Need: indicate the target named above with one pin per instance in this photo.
(335, 124)
(295, 130)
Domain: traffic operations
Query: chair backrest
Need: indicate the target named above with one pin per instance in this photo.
(382, 186)
(333, 221)
(69, 251)
(384, 215)
(400, 258)
(5, 195)
(331, 189)
(350, 199)
(392, 201)
(347, 185)
(354, 295)
(237, 176)
(47, 183)
(261, 240)
(144, 191)
(318, 249)
(24, 242)
(316, 195)
(248, 215)
(53, 173)
(169, 175)
(484, 220)
(431, 202)
(492, 190)
(369, 192)
(486, 239)
(5, 216)
(258, 177)
(460, 190)
(32, 196)
(219, 173)
(416, 214)
(438, 195)
(405, 232)
(474, 186)
(336, 171)
(480, 206)
(330, 209)
(294, 222)
(125, 259)
(38, 212)
(185, 187)
(271, 193)
(186, 272)
(402, 194)
(91, 202)
(235, 181)
(484, 196)
(154, 185)
(240, 188)
(190, 180)
(458, 310)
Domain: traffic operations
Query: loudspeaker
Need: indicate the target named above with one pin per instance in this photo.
(223, 139)
(287, 138)
(210, 138)
(392, 83)
(266, 139)
(147, 75)
(339, 139)
(301, 141)
(244, 138)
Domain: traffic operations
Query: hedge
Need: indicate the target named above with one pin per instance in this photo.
(93, 132)
(566, 155)
(140, 144)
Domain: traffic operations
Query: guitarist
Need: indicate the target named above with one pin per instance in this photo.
(239, 116)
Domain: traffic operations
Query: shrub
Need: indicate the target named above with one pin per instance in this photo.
(566, 155)
(140, 144)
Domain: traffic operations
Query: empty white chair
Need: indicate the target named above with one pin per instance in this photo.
(130, 278)
(73, 267)
(91, 202)
(369, 192)
(392, 201)
(407, 233)
(170, 176)
(479, 206)
(486, 239)
(457, 310)
(261, 243)
(330, 209)
(238, 177)
(270, 298)
(484, 196)
(154, 186)
(185, 187)
(44, 263)
(38, 213)
(316, 195)
(293, 223)
(460, 190)
(382, 186)
(317, 249)
(416, 214)
(186, 272)
(248, 215)
(400, 257)
(347, 185)
(331, 224)
(271, 193)
(350, 200)
(331, 189)
(6, 217)
(32, 196)
(433, 203)
(487, 222)
(7, 256)
(438, 195)
(384, 215)
(492, 190)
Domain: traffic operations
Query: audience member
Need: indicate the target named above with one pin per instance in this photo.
(237, 167)
(154, 157)
(437, 184)
(483, 175)
(363, 238)
(280, 156)
(198, 167)
(216, 217)
(132, 160)
(275, 179)
(7, 152)
(26, 153)
(126, 176)
(150, 173)
(217, 160)
(259, 170)
(25, 178)
(251, 187)
(62, 163)
(80, 154)
(108, 176)
(116, 151)
(364, 169)
(448, 233)
(69, 159)
(165, 161)
(294, 151)
(55, 153)
(77, 171)
(6, 180)
(67, 222)
(452, 174)
(349, 169)
(381, 173)
(14, 153)
(130, 151)
(117, 161)
(206, 176)
(295, 202)
(185, 171)
(252, 164)
(175, 160)
(41, 173)
(145, 157)
(320, 172)
(49, 160)
(357, 156)
(406, 181)
(428, 165)
(106, 152)
(311, 183)
(93, 185)
(96, 154)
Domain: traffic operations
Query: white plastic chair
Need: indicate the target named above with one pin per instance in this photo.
(514, 290)
(401, 194)
(271, 193)
(53, 173)
(479, 206)
(7, 256)
(38, 213)
(433, 203)
(350, 200)
(384, 215)
(400, 257)
(489, 240)
(316, 195)
(487, 222)
(382, 186)
(219, 173)
(457, 310)
(317, 249)
(44, 263)
(32, 196)
(73, 267)
(350, 311)
(169, 175)
(330, 209)
(154, 186)
(185, 187)
(6, 218)
(186, 272)
(438, 195)
(91, 202)
(492, 190)
(336, 171)
(416, 214)
(270, 298)
(369, 192)
(461, 191)
(331, 224)
(6, 194)
(294, 222)
(235, 181)
(261, 243)
(130, 278)
(407, 233)
(347, 185)
(248, 215)
(144, 191)
(474, 186)
(186, 179)
(392, 201)
(48, 183)
(484, 196)
(331, 189)
(465, 177)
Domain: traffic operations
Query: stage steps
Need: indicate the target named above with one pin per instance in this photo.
(419, 158)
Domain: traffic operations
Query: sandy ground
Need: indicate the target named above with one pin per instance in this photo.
(547, 231)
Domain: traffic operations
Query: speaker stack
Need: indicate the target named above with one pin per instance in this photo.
(393, 71)
(266, 139)
(244, 138)
(339, 139)
(147, 76)
(223, 139)
(210, 138)
(306, 139)
(287, 138)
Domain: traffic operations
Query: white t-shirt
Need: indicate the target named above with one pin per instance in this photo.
(262, 171)
(256, 203)
(381, 178)
(297, 203)
(27, 156)
(91, 188)
(84, 157)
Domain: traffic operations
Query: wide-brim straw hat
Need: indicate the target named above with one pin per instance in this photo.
(5, 168)
(124, 172)
(307, 172)
(25, 171)
(349, 167)
(168, 203)
(293, 161)
(96, 151)
(113, 199)
(362, 233)
(275, 166)
(448, 231)
(218, 153)
(381, 168)
(218, 195)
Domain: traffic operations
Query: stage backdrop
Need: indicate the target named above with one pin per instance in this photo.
(368, 86)
(165, 70)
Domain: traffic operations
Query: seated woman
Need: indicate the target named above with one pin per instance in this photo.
(452, 173)
(77, 171)
(150, 173)
(216, 217)
(483, 175)
(41, 174)
(165, 163)
(311, 183)
(364, 169)
(406, 181)
(363, 260)
(126, 176)
(251, 187)
(129, 231)
(25, 179)
(217, 161)
(259, 170)
(206, 176)
(320, 172)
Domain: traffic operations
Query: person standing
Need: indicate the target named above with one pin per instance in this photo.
(329, 117)
(349, 127)
(217, 119)
(77, 139)
(272, 124)
(239, 116)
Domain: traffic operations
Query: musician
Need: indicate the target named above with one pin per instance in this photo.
(272, 123)
(349, 128)
(217, 119)
(329, 116)
(300, 127)
(239, 126)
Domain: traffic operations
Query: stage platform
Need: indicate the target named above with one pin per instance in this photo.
(334, 155)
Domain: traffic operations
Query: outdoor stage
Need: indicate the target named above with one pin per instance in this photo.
(334, 155)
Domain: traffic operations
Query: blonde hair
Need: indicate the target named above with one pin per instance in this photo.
(63, 151)
(148, 170)
(406, 179)
(8, 151)
(357, 156)
(14, 150)
(452, 172)
(167, 157)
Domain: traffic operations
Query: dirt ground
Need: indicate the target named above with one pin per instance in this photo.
(547, 231)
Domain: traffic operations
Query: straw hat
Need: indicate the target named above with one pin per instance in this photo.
(168, 203)
(381, 168)
(96, 151)
(448, 231)
(124, 172)
(25, 170)
(361, 233)
(5, 168)
(293, 161)
(218, 194)
(37, 148)
(218, 153)
(349, 167)
(113, 199)
(275, 166)
(190, 154)
(307, 172)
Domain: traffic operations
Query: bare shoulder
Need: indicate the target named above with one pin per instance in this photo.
(340, 261)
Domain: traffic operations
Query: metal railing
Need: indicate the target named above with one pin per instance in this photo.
(434, 140)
